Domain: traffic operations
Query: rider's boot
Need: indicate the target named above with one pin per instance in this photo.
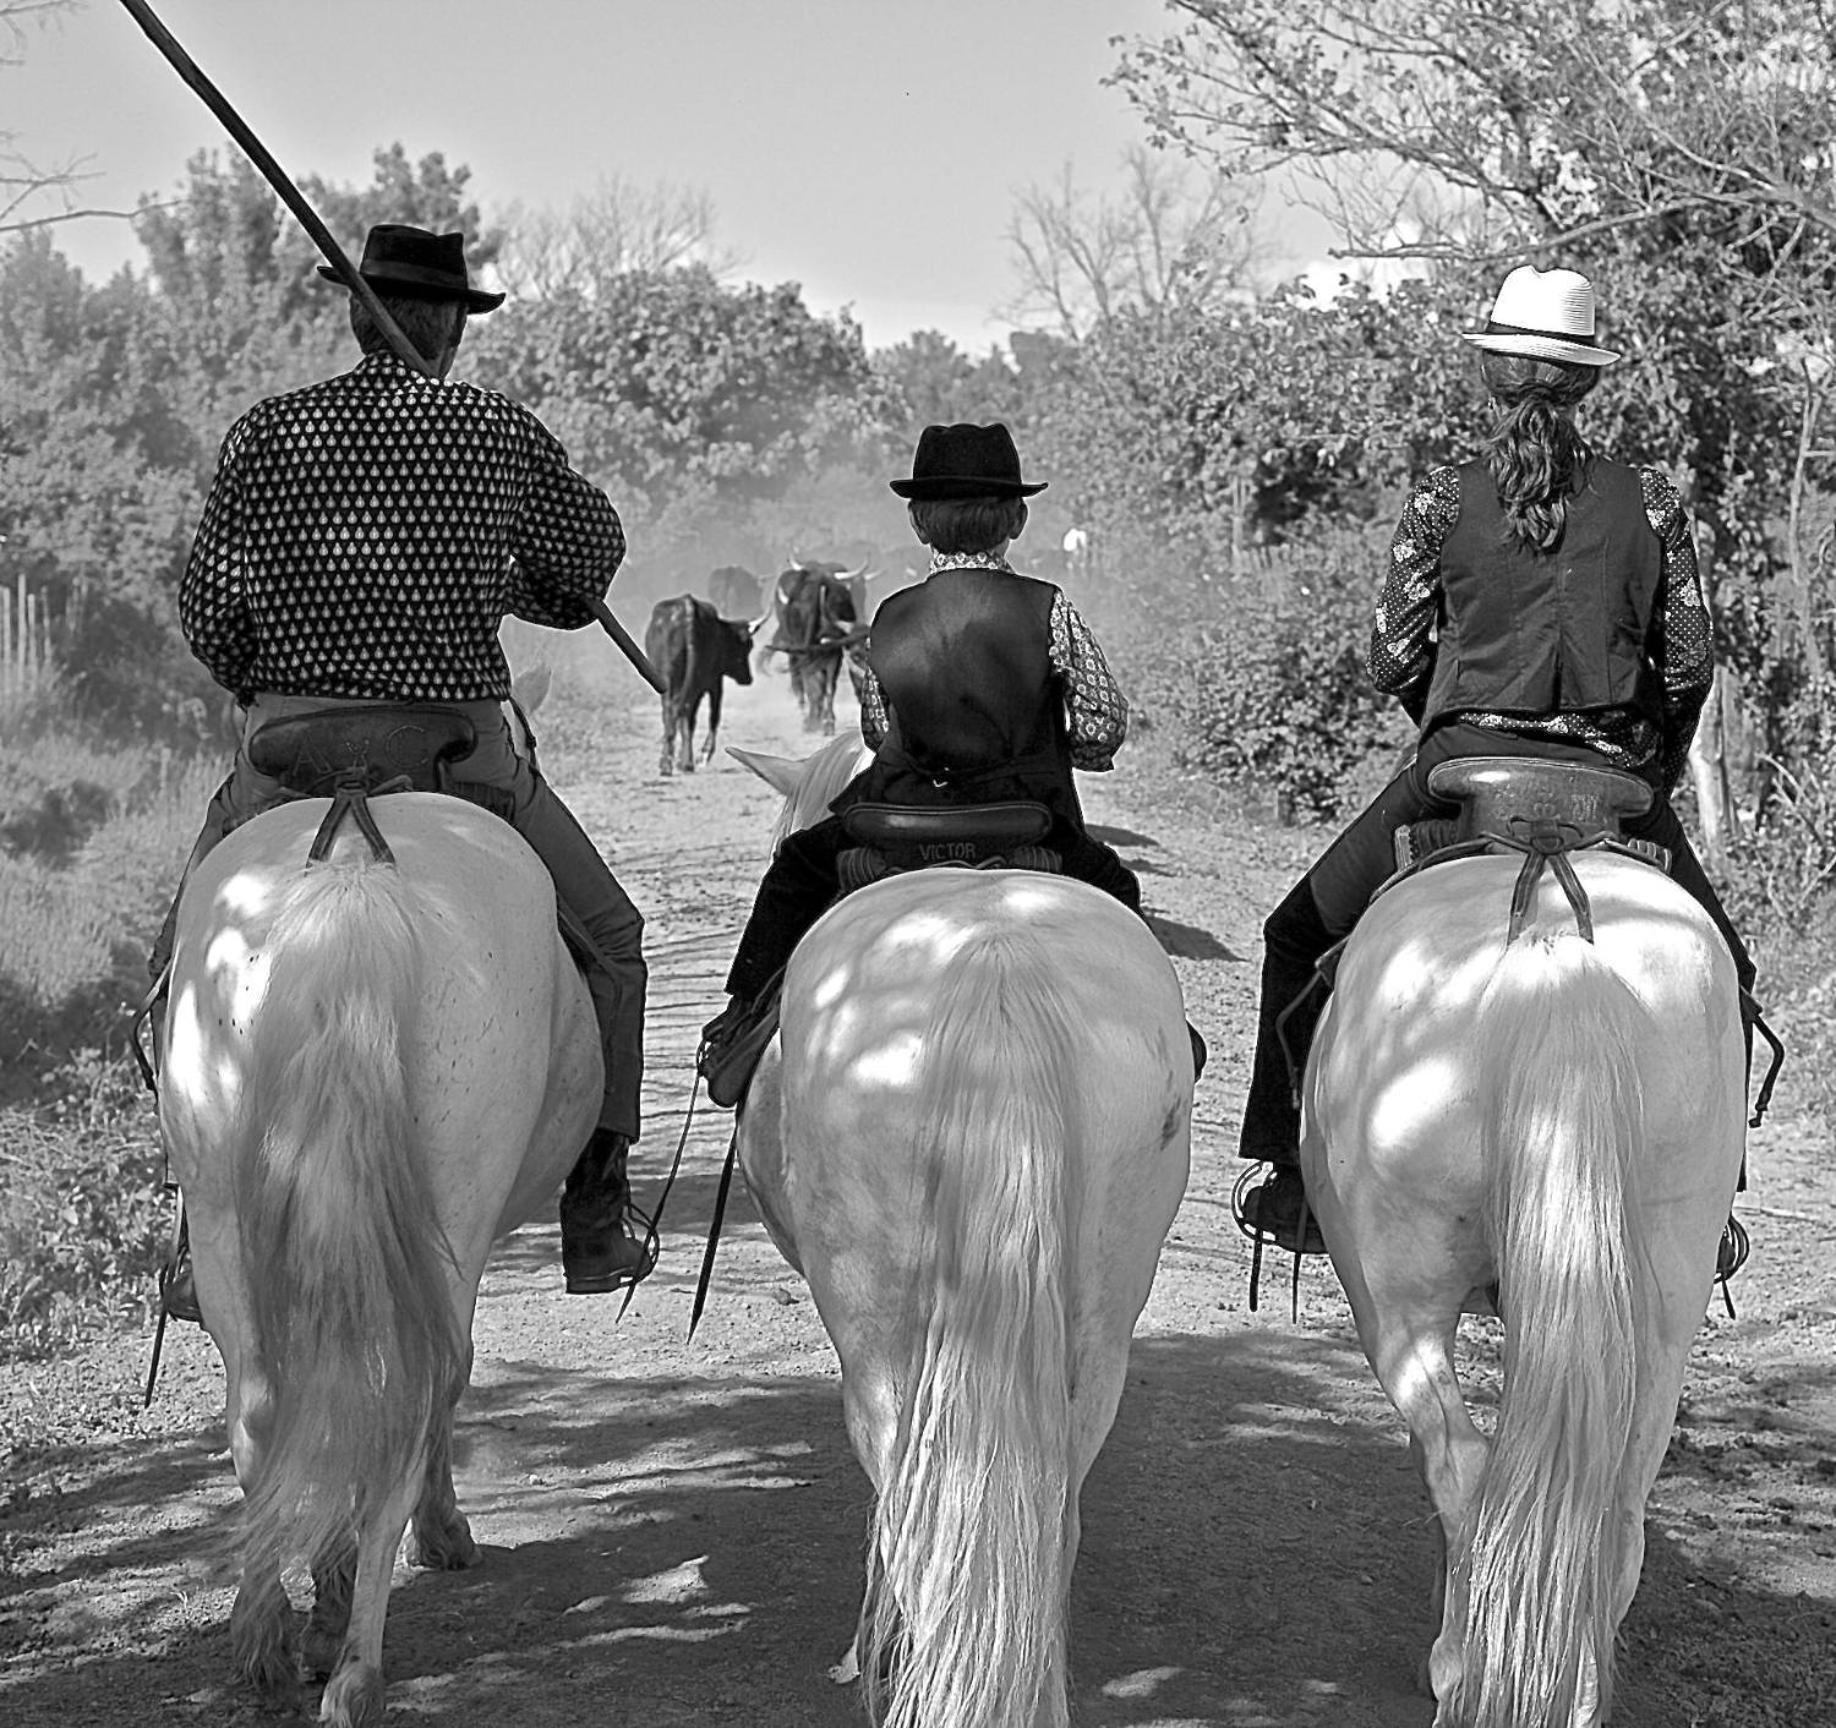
(1277, 1211)
(599, 1250)
(178, 1286)
(732, 1043)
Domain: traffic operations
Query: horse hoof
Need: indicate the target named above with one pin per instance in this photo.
(263, 1647)
(448, 1549)
(353, 1697)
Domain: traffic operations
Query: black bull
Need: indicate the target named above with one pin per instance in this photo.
(737, 593)
(696, 650)
(818, 624)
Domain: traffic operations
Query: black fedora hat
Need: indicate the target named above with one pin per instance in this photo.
(966, 461)
(398, 259)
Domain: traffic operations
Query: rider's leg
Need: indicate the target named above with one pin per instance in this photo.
(797, 888)
(599, 1249)
(794, 892)
(1320, 909)
(1660, 823)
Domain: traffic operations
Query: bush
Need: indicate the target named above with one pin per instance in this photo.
(1782, 896)
(83, 1219)
(1261, 678)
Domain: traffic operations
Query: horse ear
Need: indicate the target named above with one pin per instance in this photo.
(530, 687)
(784, 774)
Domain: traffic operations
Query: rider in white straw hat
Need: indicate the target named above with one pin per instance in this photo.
(1542, 600)
(1544, 315)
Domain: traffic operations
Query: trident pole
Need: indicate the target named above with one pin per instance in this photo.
(308, 218)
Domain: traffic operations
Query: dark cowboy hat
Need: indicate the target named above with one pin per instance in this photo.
(398, 259)
(966, 462)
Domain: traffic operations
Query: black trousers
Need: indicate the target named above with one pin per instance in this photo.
(1324, 905)
(802, 883)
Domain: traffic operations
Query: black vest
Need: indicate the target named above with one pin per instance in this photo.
(1540, 633)
(975, 713)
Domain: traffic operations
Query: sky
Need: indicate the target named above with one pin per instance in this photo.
(870, 150)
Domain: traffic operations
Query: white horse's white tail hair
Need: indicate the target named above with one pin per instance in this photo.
(963, 1622)
(342, 1249)
(1540, 1557)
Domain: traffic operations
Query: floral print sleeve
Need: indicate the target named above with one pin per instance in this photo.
(1094, 703)
(1682, 643)
(1403, 630)
(873, 710)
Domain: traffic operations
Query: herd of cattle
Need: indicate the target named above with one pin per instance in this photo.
(813, 614)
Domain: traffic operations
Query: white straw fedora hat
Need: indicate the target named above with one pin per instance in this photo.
(1545, 315)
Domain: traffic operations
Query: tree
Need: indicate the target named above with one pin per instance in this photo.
(941, 385)
(1680, 151)
(1158, 247)
(617, 229)
(227, 231)
(33, 194)
(686, 398)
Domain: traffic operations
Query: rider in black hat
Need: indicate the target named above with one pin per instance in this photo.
(362, 543)
(984, 686)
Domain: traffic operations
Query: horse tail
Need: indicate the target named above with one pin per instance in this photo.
(964, 1616)
(1559, 1029)
(345, 1260)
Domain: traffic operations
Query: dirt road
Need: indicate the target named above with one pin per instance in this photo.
(672, 1529)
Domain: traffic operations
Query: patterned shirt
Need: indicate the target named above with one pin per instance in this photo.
(365, 537)
(1404, 631)
(1094, 704)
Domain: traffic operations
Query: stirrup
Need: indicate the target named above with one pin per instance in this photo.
(729, 1054)
(178, 1286)
(1300, 1235)
(1733, 1250)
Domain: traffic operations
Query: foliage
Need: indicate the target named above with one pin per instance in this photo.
(83, 1218)
(688, 400)
(92, 836)
(1260, 678)
(1678, 151)
(937, 384)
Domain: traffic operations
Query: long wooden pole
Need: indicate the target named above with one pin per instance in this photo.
(335, 255)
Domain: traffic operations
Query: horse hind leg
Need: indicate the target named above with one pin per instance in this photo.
(440, 1538)
(354, 1694)
(1412, 1356)
(333, 1579)
(263, 1638)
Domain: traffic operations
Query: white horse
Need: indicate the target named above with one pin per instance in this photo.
(1552, 1130)
(370, 1071)
(971, 1136)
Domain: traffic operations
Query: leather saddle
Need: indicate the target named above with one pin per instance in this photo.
(890, 839)
(1542, 810)
(1503, 799)
(377, 745)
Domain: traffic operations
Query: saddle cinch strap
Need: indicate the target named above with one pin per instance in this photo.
(351, 754)
(890, 839)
